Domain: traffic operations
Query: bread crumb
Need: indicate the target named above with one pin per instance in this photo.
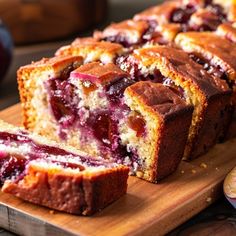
(194, 171)
(182, 171)
(217, 168)
(209, 199)
(203, 165)
(52, 212)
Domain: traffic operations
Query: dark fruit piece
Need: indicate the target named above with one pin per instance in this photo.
(182, 15)
(118, 39)
(62, 101)
(11, 166)
(101, 125)
(116, 89)
(137, 123)
(218, 10)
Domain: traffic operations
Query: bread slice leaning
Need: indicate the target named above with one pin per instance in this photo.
(60, 177)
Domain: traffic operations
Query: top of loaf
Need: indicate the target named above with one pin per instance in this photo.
(158, 98)
(214, 48)
(175, 63)
(98, 73)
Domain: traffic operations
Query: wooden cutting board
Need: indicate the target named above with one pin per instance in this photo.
(146, 209)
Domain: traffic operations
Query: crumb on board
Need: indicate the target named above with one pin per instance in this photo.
(209, 199)
(203, 165)
(182, 171)
(52, 212)
(194, 171)
(217, 168)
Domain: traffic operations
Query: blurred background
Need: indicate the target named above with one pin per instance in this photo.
(39, 27)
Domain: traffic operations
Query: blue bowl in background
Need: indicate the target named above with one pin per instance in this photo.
(6, 50)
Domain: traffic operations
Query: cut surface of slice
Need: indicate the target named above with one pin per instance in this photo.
(87, 109)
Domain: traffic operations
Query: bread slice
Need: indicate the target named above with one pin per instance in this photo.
(209, 96)
(57, 176)
(152, 128)
(94, 115)
(218, 56)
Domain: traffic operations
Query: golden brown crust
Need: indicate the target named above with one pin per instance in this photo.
(85, 41)
(161, 99)
(78, 194)
(232, 12)
(161, 104)
(94, 44)
(214, 48)
(169, 31)
(54, 62)
(128, 30)
(160, 14)
(92, 50)
(98, 73)
(227, 31)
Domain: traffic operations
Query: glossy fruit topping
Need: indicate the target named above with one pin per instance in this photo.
(137, 123)
(182, 15)
(115, 89)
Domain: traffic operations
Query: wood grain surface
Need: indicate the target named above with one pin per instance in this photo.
(146, 209)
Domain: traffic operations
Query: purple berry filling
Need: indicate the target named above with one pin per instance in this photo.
(62, 101)
(217, 10)
(99, 124)
(118, 39)
(115, 90)
(181, 16)
(14, 165)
